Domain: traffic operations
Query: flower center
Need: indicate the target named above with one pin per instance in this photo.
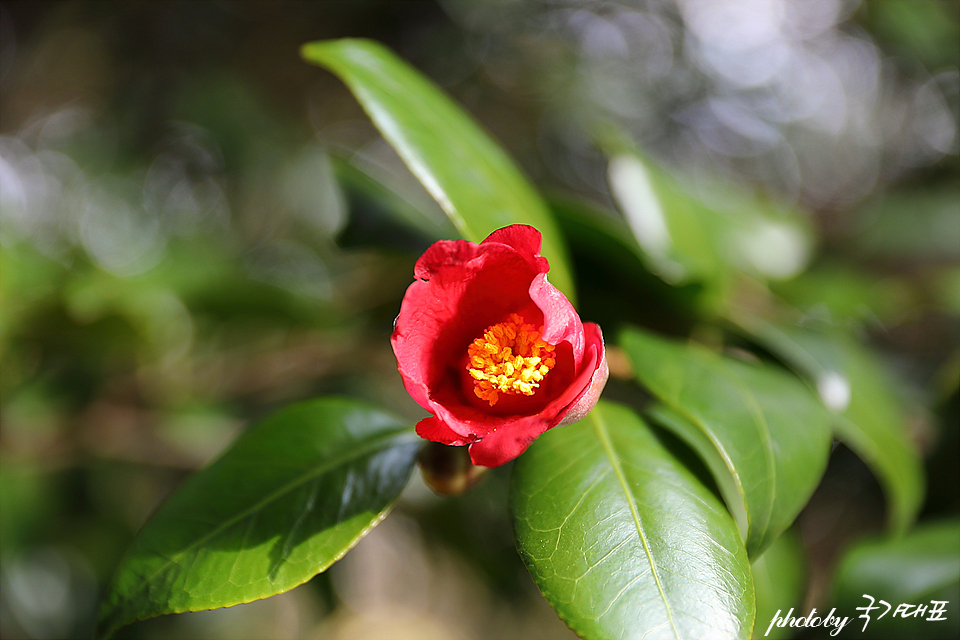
(509, 358)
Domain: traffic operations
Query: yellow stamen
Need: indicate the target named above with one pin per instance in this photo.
(509, 358)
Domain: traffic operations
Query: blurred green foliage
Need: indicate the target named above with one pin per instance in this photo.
(197, 228)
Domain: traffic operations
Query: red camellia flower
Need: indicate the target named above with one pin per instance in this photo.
(496, 353)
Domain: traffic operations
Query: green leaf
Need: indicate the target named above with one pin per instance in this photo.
(764, 435)
(921, 566)
(672, 228)
(470, 176)
(778, 576)
(846, 294)
(915, 224)
(623, 540)
(868, 418)
(610, 260)
(287, 500)
(710, 236)
(380, 187)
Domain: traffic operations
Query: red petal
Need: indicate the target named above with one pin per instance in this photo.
(443, 254)
(522, 237)
(560, 320)
(587, 400)
(503, 445)
(526, 240)
(503, 439)
(433, 429)
(467, 288)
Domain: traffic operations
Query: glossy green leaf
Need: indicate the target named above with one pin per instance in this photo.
(709, 236)
(285, 501)
(671, 227)
(409, 204)
(867, 416)
(609, 258)
(921, 566)
(470, 176)
(778, 577)
(762, 432)
(623, 540)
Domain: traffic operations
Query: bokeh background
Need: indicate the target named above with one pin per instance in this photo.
(196, 228)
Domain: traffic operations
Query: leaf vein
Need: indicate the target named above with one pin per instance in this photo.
(319, 470)
(601, 429)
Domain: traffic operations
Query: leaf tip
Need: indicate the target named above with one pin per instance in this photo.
(312, 51)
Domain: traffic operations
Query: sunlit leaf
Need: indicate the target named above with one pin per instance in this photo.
(598, 230)
(623, 540)
(470, 176)
(867, 415)
(707, 232)
(609, 258)
(287, 500)
(764, 435)
(915, 569)
(670, 226)
(379, 187)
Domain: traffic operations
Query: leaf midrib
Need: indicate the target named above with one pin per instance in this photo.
(317, 471)
(759, 419)
(871, 449)
(601, 430)
(418, 167)
(518, 195)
